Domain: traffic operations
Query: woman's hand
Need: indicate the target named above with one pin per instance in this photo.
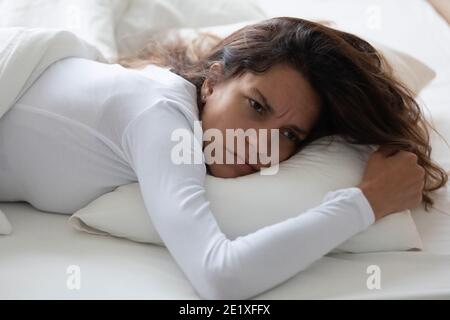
(392, 181)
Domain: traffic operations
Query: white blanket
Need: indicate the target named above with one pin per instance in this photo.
(24, 54)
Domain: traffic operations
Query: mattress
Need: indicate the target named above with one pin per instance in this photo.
(43, 255)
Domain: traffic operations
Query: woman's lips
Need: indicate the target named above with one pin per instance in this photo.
(247, 166)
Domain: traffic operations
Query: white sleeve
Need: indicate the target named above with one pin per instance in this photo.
(217, 267)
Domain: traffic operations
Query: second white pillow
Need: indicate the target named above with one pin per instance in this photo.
(245, 204)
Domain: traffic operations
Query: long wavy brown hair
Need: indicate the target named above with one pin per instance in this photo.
(361, 100)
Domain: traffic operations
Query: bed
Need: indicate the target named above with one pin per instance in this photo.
(43, 255)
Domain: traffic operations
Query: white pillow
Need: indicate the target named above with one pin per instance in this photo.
(5, 226)
(92, 20)
(300, 184)
(145, 17)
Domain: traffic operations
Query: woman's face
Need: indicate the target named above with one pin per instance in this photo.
(241, 103)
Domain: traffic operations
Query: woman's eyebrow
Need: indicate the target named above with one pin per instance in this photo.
(271, 110)
(263, 98)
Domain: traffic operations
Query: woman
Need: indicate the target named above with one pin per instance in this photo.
(85, 128)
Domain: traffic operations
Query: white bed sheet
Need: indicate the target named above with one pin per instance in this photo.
(35, 257)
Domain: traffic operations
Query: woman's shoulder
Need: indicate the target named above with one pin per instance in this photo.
(113, 79)
(133, 92)
(170, 85)
(163, 75)
(172, 88)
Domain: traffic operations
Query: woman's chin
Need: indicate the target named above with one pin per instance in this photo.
(228, 170)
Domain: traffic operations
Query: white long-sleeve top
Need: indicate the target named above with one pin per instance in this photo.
(85, 128)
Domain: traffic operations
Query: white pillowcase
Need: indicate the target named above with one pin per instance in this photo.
(5, 226)
(145, 17)
(245, 204)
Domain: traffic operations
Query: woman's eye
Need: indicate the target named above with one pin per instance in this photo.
(255, 105)
(290, 135)
(287, 133)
